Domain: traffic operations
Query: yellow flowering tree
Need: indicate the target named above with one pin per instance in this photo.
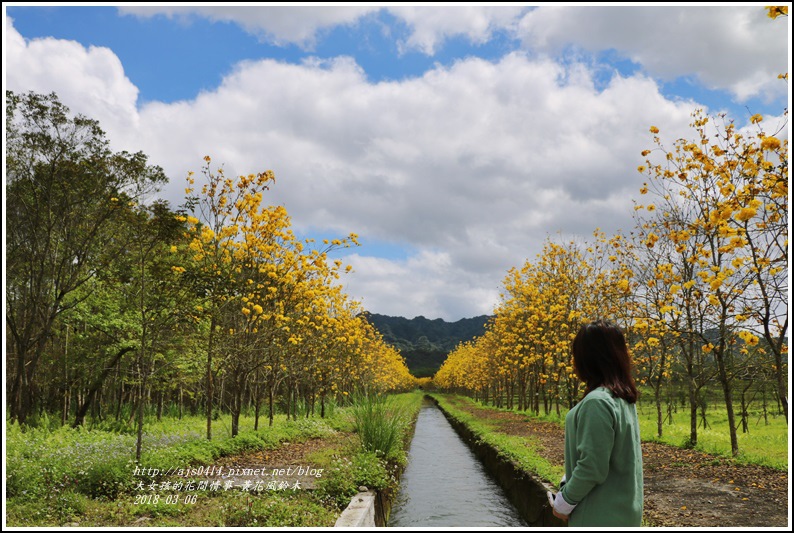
(669, 307)
(524, 357)
(222, 209)
(719, 201)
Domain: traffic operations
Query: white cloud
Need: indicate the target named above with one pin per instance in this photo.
(281, 24)
(427, 284)
(737, 48)
(429, 26)
(728, 47)
(477, 163)
(91, 78)
(432, 25)
(472, 165)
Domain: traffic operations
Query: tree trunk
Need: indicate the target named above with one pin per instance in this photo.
(94, 389)
(693, 409)
(209, 377)
(141, 407)
(726, 390)
(257, 401)
(270, 405)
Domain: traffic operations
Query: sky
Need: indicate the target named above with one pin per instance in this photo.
(454, 140)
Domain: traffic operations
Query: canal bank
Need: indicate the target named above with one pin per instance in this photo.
(444, 483)
(372, 507)
(524, 490)
(453, 478)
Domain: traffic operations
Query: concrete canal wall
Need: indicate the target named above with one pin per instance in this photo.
(370, 508)
(360, 512)
(525, 491)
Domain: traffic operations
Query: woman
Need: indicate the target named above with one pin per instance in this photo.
(603, 458)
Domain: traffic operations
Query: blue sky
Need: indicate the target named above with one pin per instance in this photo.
(452, 139)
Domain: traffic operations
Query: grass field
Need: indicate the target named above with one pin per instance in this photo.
(763, 444)
(57, 475)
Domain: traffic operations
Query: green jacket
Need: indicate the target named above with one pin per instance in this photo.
(603, 462)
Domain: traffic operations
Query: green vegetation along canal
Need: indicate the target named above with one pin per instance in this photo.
(445, 485)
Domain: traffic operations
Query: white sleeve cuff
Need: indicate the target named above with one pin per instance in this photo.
(561, 506)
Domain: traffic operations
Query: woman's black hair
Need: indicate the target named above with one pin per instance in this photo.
(601, 359)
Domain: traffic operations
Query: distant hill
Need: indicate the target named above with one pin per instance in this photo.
(425, 343)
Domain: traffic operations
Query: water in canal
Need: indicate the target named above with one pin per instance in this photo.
(445, 485)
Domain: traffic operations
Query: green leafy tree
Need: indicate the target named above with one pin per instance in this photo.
(63, 190)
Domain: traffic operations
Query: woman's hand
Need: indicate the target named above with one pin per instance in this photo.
(552, 497)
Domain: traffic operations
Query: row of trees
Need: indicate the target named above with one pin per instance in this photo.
(700, 286)
(114, 300)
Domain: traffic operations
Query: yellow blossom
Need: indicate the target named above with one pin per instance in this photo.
(770, 143)
(745, 214)
(748, 338)
(774, 12)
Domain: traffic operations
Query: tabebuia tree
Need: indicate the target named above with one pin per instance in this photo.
(524, 359)
(720, 199)
(277, 318)
(65, 189)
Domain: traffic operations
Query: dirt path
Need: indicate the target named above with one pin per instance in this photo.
(682, 487)
(288, 463)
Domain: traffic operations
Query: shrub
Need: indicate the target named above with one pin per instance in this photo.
(338, 483)
(107, 479)
(372, 472)
(380, 423)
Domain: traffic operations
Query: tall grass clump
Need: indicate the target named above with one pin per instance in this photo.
(380, 422)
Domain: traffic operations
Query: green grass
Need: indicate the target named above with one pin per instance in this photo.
(765, 445)
(57, 475)
(101, 463)
(364, 463)
(381, 422)
(70, 471)
(293, 508)
(520, 450)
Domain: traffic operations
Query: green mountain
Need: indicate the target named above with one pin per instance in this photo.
(426, 343)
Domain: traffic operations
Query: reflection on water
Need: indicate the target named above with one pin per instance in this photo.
(445, 485)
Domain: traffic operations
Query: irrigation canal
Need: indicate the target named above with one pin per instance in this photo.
(445, 485)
